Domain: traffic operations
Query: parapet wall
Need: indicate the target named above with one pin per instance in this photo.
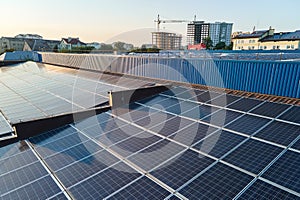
(264, 77)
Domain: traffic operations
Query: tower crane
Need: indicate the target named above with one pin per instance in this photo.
(159, 21)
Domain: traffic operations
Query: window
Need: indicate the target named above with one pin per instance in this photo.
(278, 47)
(274, 47)
(292, 46)
(288, 46)
(261, 47)
(265, 47)
(250, 41)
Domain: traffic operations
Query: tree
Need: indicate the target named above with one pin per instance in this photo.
(208, 42)
(119, 46)
(230, 47)
(220, 45)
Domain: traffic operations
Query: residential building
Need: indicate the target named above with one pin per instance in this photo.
(40, 45)
(69, 43)
(197, 31)
(267, 40)
(11, 43)
(29, 36)
(196, 46)
(166, 41)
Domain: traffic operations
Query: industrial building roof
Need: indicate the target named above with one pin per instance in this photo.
(184, 143)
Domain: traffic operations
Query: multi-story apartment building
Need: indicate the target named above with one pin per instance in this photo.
(197, 31)
(267, 40)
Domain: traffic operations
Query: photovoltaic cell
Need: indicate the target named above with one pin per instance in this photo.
(179, 170)
(279, 132)
(292, 115)
(219, 143)
(40, 189)
(105, 183)
(13, 150)
(21, 176)
(265, 191)
(154, 119)
(135, 143)
(155, 154)
(59, 196)
(285, 171)
(143, 188)
(72, 155)
(85, 168)
(192, 134)
(270, 109)
(297, 145)
(247, 124)
(206, 96)
(224, 100)
(200, 112)
(245, 104)
(253, 155)
(219, 182)
(181, 107)
(221, 117)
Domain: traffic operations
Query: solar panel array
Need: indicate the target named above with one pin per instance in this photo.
(181, 144)
(35, 91)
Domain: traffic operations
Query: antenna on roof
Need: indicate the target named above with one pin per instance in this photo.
(253, 28)
(195, 18)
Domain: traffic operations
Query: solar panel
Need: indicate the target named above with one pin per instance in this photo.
(245, 104)
(224, 100)
(219, 143)
(87, 167)
(154, 119)
(285, 171)
(104, 183)
(155, 154)
(192, 134)
(221, 117)
(279, 132)
(296, 145)
(179, 170)
(183, 106)
(200, 112)
(247, 124)
(41, 189)
(143, 188)
(206, 96)
(265, 191)
(21, 176)
(292, 115)
(135, 143)
(219, 182)
(270, 109)
(253, 155)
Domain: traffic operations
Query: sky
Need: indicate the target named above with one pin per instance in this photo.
(133, 20)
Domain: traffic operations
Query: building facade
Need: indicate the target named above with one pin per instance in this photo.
(267, 40)
(197, 31)
(11, 43)
(166, 41)
(70, 43)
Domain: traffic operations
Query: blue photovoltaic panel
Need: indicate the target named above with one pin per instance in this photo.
(219, 143)
(200, 112)
(59, 196)
(292, 115)
(155, 154)
(247, 124)
(181, 107)
(224, 100)
(206, 96)
(61, 144)
(72, 155)
(222, 117)
(179, 170)
(171, 126)
(286, 171)
(265, 191)
(143, 188)
(41, 189)
(16, 161)
(192, 134)
(245, 104)
(219, 182)
(82, 169)
(253, 155)
(13, 149)
(21, 176)
(297, 145)
(279, 132)
(118, 135)
(270, 109)
(104, 183)
(135, 143)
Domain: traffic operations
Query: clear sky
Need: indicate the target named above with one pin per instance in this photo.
(132, 20)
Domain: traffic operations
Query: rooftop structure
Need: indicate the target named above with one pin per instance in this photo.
(187, 142)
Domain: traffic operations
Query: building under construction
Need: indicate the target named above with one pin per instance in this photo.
(166, 41)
